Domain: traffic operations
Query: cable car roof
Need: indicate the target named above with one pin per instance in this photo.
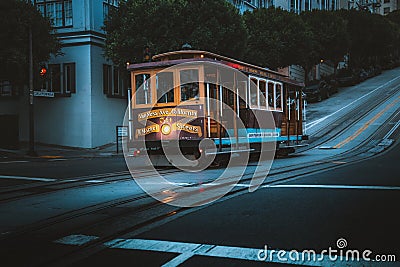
(186, 56)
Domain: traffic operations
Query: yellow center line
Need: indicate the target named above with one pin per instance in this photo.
(366, 125)
(50, 157)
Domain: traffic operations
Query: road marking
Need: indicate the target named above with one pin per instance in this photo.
(392, 130)
(178, 260)
(242, 185)
(188, 250)
(15, 161)
(50, 157)
(28, 178)
(364, 187)
(95, 181)
(77, 240)
(312, 124)
(70, 180)
(366, 125)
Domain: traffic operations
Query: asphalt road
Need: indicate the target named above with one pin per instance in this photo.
(356, 204)
(359, 203)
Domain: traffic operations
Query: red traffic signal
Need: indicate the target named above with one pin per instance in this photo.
(43, 71)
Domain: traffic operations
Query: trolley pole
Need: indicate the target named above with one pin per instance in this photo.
(31, 151)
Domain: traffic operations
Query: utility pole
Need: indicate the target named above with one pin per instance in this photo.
(31, 151)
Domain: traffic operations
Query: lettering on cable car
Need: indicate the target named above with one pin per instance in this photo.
(189, 128)
(149, 129)
(188, 113)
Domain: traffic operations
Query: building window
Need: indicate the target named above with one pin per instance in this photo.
(6, 89)
(107, 79)
(386, 10)
(114, 81)
(69, 78)
(60, 79)
(58, 11)
(54, 78)
(386, 1)
(107, 5)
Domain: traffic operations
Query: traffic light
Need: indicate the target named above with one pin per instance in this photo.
(146, 54)
(43, 71)
(41, 81)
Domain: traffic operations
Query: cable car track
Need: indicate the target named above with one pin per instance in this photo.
(65, 184)
(113, 203)
(326, 134)
(171, 212)
(287, 173)
(97, 245)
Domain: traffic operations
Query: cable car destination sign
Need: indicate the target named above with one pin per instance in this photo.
(168, 120)
(156, 113)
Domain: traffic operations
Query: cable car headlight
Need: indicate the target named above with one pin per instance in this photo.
(166, 129)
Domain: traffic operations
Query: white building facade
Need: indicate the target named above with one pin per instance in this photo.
(90, 96)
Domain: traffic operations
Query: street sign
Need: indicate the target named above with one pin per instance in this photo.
(43, 94)
(122, 131)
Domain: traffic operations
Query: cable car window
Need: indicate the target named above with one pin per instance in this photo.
(242, 85)
(263, 94)
(278, 96)
(142, 89)
(253, 92)
(271, 95)
(165, 87)
(189, 84)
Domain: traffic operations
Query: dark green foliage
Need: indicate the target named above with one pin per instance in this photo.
(16, 17)
(136, 24)
(214, 26)
(267, 37)
(275, 37)
(330, 33)
(394, 17)
(166, 25)
(372, 37)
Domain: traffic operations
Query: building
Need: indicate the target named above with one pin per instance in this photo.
(85, 96)
(382, 7)
(388, 6)
(290, 5)
(90, 96)
(249, 5)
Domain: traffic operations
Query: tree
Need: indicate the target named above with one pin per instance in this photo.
(216, 26)
(330, 33)
(394, 17)
(307, 52)
(137, 24)
(165, 25)
(394, 20)
(277, 38)
(16, 17)
(372, 37)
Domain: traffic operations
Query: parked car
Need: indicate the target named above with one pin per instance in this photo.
(316, 90)
(362, 75)
(332, 84)
(346, 77)
(391, 63)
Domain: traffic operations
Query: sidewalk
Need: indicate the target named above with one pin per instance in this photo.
(54, 152)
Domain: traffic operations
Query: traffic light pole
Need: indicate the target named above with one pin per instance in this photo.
(31, 151)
